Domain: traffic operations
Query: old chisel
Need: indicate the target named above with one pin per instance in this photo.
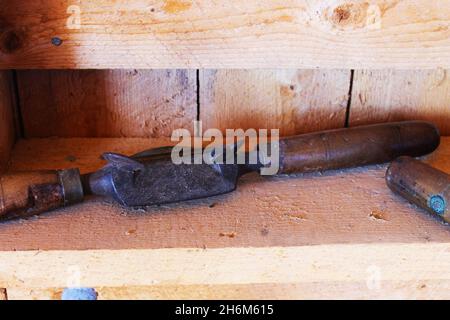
(152, 178)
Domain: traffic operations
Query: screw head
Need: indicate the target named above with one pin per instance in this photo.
(437, 204)
(56, 41)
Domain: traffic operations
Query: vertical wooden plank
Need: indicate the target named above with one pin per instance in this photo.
(294, 101)
(393, 95)
(107, 103)
(7, 135)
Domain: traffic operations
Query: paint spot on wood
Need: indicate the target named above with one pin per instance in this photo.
(176, 6)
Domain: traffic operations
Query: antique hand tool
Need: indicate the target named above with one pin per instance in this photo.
(421, 184)
(151, 177)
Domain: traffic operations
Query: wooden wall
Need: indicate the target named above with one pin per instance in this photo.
(7, 123)
(120, 103)
(151, 103)
(294, 101)
(391, 95)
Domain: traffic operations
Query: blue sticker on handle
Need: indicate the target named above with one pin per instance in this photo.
(437, 204)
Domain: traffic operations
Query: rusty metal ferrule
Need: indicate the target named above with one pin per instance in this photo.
(421, 184)
(72, 188)
(28, 193)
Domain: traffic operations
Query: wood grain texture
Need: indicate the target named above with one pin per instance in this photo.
(225, 34)
(7, 130)
(96, 103)
(294, 101)
(394, 95)
(340, 207)
(423, 289)
(380, 270)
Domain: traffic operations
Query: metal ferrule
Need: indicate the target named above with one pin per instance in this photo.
(72, 188)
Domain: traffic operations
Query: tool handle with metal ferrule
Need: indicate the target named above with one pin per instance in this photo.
(358, 146)
(25, 194)
(421, 184)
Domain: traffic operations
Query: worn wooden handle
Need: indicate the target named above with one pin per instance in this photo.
(421, 184)
(24, 194)
(358, 146)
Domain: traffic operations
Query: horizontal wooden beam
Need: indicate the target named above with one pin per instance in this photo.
(424, 289)
(377, 270)
(225, 34)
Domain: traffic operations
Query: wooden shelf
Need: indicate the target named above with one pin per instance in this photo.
(402, 34)
(293, 236)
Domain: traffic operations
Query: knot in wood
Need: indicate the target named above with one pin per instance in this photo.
(349, 15)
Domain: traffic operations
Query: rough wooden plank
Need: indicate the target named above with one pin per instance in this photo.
(393, 95)
(374, 270)
(423, 289)
(350, 206)
(7, 135)
(294, 101)
(130, 103)
(225, 34)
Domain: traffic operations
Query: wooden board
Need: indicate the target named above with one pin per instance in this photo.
(340, 207)
(394, 95)
(339, 234)
(395, 271)
(415, 289)
(293, 101)
(89, 103)
(7, 133)
(225, 34)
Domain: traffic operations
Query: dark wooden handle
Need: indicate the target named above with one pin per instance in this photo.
(358, 146)
(421, 184)
(25, 194)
